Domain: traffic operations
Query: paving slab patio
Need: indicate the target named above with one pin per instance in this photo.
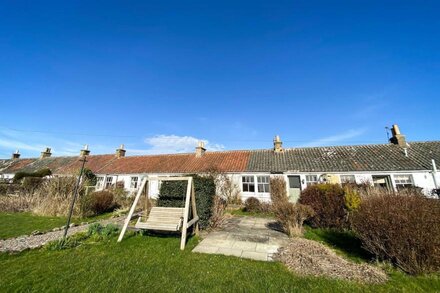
(245, 237)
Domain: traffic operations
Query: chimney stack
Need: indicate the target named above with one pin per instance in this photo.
(200, 149)
(46, 153)
(16, 155)
(120, 152)
(277, 144)
(85, 152)
(397, 137)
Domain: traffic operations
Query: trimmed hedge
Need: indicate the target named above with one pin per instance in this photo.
(40, 173)
(172, 194)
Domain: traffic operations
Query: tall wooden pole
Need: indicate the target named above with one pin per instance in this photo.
(75, 194)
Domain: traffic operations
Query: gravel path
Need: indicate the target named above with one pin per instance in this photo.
(34, 241)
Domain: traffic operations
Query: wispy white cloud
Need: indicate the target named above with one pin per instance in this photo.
(14, 144)
(168, 144)
(31, 144)
(337, 138)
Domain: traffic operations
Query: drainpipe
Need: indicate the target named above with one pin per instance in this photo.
(434, 174)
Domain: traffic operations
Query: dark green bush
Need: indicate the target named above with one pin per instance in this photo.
(40, 173)
(328, 202)
(252, 205)
(89, 177)
(173, 193)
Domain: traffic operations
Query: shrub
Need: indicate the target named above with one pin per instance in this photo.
(252, 205)
(218, 212)
(173, 193)
(122, 198)
(70, 242)
(99, 232)
(278, 193)
(403, 229)
(352, 199)
(291, 216)
(227, 189)
(101, 202)
(327, 200)
(94, 228)
(53, 197)
(39, 173)
(10, 189)
(30, 185)
(89, 177)
(16, 203)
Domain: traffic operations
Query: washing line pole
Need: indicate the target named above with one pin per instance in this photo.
(434, 174)
(75, 194)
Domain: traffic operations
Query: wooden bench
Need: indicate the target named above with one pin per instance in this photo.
(162, 219)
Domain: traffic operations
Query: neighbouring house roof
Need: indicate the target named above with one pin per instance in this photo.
(378, 157)
(233, 161)
(13, 166)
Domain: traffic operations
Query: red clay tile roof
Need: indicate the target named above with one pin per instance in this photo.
(94, 163)
(233, 161)
(384, 157)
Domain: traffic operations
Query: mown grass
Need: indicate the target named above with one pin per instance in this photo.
(17, 224)
(155, 264)
(343, 242)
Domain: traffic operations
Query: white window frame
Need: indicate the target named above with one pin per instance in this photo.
(345, 180)
(249, 181)
(99, 182)
(134, 182)
(403, 183)
(108, 183)
(263, 184)
(312, 179)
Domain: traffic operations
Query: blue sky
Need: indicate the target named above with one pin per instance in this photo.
(160, 75)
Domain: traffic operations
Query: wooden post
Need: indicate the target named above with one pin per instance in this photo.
(194, 208)
(185, 214)
(133, 207)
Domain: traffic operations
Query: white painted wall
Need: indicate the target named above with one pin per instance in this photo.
(423, 179)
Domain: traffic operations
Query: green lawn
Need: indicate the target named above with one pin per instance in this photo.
(17, 224)
(155, 264)
(343, 242)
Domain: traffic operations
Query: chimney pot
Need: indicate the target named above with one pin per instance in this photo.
(120, 152)
(46, 153)
(200, 149)
(85, 152)
(16, 155)
(397, 137)
(277, 144)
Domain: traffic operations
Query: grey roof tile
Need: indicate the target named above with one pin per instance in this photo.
(379, 157)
